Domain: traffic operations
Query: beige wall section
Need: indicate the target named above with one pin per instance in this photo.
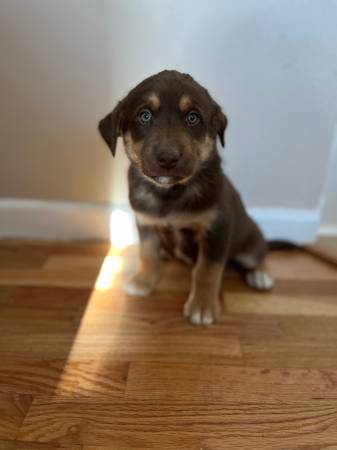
(271, 65)
(55, 82)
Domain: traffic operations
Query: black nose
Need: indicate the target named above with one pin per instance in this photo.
(167, 159)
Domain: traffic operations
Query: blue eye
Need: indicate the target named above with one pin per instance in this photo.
(145, 116)
(192, 118)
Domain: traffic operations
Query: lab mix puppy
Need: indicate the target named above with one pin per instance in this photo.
(185, 206)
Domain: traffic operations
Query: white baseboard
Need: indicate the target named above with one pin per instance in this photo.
(294, 225)
(38, 219)
(327, 231)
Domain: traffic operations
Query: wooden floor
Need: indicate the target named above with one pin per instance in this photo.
(83, 366)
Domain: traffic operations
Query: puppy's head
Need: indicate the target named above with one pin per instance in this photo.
(169, 124)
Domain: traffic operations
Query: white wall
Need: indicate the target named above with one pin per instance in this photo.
(271, 64)
(273, 67)
(329, 195)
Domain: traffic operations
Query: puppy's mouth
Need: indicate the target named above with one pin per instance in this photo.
(166, 180)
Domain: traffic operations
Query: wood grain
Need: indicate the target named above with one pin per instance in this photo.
(131, 347)
(113, 422)
(88, 368)
(13, 409)
(64, 377)
(274, 304)
(195, 383)
(291, 354)
(309, 442)
(20, 445)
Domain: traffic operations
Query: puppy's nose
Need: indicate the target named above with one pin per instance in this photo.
(167, 159)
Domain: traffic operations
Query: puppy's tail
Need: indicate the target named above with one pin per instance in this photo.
(322, 253)
(276, 244)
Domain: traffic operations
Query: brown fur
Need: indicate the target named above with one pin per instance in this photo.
(185, 206)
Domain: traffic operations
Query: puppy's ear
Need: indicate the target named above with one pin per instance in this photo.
(110, 127)
(220, 124)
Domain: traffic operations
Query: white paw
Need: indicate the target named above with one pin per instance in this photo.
(138, 286)
(258, 279)
(201, 313)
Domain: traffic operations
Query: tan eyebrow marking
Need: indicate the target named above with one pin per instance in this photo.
(185, 103)
(154, 102)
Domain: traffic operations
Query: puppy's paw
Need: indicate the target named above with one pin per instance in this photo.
(140, 285)
(258, 279)
(201, 312)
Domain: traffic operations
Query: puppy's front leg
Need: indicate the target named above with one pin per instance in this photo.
(145, 280)
(203, 304)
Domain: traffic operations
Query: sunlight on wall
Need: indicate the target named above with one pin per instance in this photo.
(122, 234)
(121, 229)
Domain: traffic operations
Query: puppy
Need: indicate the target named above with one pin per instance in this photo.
(185, 206)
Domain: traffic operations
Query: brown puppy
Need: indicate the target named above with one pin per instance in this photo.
(183, 202)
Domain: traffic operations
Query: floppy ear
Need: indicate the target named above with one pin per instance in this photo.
(220, 123)
(110, 127)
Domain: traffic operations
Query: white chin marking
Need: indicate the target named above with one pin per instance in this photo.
(164, 180)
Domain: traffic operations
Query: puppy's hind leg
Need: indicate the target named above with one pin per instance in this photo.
(255, 272)
(259, 278)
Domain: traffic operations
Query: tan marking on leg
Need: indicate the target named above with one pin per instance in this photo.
(154, 102)
(203, 305)
(178, 248)
(185, 103)
(145, 280)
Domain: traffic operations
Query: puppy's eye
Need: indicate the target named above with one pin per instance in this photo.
(192, 118)
(145, 116)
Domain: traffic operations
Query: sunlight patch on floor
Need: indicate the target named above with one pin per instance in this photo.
(111, 266)
(100, 305)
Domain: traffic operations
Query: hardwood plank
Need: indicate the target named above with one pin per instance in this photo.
(290, 354)
(25, 320)
(308, 287)
(325, 248)
(98, 248)
(20, 445)
(133, 347)
(120, 424)
(42, 310)
(309, 442)
(5, 294)
(64, 378)
(13, 409)
(196, 383)
(285, 286)
(72, 262)
(40, 277)
(161, 313)
(110, 371)
(48, 297)
(306, 328)
(274, 304)
(299, 265)
(21, 256)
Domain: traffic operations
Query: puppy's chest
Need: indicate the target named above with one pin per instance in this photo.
(169, 213)
(177, 219)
